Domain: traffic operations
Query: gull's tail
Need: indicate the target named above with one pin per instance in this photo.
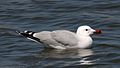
(29, 35)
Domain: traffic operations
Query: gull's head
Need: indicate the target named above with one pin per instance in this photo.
(87, 30)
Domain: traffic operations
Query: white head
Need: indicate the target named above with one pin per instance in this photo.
(85, 30)
(83, 34)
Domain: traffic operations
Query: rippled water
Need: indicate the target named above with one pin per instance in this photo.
(38, 15)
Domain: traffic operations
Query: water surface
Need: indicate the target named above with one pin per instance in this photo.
(37, 15)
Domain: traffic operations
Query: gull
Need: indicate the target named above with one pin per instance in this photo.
(63, 39)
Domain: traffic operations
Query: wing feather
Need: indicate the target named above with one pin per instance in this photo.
(46, 38)
(65, 37)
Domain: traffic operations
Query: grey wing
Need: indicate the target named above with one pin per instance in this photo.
(65, 37)
(46, 38)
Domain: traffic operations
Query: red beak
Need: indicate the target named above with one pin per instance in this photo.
(98, 31)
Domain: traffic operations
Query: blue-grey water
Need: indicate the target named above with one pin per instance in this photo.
(37, 15)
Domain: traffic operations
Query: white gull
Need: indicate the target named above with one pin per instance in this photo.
(63, 39)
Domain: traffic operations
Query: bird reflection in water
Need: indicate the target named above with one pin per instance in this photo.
(80, 56)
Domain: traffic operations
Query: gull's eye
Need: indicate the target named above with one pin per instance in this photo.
(86, 29)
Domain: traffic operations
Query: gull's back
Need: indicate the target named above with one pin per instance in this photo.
(61, 38)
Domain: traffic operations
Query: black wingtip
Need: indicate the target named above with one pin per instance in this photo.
(26, 33)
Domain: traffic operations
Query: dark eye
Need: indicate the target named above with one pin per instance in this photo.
(86, 29)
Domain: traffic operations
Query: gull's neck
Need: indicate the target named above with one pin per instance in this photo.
(84, 41)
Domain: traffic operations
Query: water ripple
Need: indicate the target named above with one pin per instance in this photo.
(38, 15)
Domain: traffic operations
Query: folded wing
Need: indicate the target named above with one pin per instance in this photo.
(65, 37)
(57, 39)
